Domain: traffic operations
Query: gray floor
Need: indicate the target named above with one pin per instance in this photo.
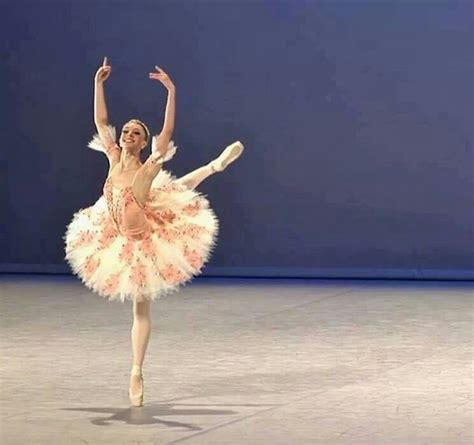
(265, 362)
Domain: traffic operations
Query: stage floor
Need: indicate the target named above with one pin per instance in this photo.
(240, 361)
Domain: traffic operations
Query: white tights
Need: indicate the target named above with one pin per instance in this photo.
(193, 179)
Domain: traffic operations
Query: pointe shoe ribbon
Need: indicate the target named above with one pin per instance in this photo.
(136, 399)
(229, 155)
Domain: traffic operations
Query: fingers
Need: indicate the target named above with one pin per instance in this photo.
(161, 71)
(103, 72)
(159, 74)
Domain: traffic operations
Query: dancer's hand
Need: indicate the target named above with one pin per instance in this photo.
(103, 72)
(163, 78)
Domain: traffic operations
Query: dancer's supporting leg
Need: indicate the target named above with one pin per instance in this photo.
(140, 335)
(230, 154)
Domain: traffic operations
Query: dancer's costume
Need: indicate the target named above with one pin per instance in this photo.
(124, 251)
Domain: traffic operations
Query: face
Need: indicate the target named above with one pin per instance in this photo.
(133, 137)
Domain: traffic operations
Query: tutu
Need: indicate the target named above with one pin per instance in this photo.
(125, 251)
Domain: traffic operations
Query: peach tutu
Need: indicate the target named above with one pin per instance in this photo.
(124, 251)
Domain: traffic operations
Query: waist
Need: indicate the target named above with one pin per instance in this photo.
(136, 233)
(133, 222)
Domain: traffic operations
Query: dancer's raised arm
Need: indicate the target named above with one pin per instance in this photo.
(101, 119)
(160, 143)
(163, 139)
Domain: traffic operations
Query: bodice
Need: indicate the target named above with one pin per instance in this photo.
(125, 211)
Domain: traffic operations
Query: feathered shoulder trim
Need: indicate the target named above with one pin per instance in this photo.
(96, 142)
(170, 152)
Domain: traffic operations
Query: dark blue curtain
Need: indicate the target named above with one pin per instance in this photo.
(356, 116)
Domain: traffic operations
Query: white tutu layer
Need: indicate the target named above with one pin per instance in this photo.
(183, 233)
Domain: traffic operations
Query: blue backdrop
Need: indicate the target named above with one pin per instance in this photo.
(356, 115)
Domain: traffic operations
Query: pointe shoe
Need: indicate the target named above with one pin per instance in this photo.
(230, 154)
(136, 399)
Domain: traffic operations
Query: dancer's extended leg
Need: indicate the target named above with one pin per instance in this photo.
(230, 154)
(193, 179)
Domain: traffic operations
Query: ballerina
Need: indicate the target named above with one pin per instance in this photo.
(150, 232)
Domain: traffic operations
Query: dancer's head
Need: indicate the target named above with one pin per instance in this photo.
(134, 136)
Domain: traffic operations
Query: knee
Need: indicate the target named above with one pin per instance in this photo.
(141, 311)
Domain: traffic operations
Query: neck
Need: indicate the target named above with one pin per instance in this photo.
(129, 161)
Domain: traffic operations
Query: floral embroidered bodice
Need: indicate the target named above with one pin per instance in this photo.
(127, 214)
